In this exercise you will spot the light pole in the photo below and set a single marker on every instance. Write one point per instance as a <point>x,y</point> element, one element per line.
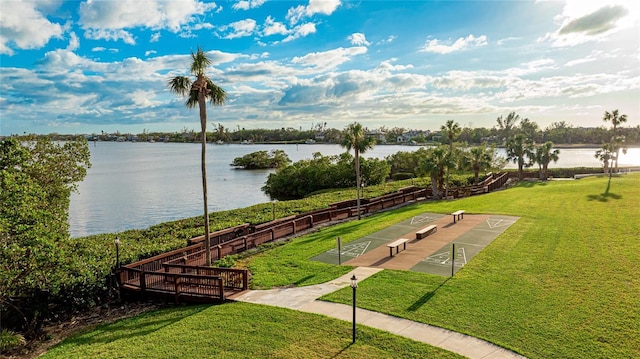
<point>354,286</point>
<point>273,209</point>
<point>117,243</point>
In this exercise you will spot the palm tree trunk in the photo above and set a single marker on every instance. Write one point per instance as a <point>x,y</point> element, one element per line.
<point>357,181</point>
<point>203,125</point>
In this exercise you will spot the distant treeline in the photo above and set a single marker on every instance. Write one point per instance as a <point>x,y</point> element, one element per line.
<point>557,132</point>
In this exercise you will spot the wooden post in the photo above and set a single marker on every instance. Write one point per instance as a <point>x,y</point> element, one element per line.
<point>177,288</point>
<point>245,279</point>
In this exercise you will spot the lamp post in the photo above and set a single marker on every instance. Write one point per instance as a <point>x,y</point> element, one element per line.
<point>354,286</point>
<point>117,243</point>
<point>273,209</point>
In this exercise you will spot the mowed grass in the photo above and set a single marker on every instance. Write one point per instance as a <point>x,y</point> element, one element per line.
<point>237,330</point>
<point>562,282</point>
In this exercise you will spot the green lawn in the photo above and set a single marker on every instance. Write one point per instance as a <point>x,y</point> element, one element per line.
<point>237,330</point>
<point>562,282</point>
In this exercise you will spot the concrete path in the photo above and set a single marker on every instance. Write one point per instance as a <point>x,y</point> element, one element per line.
<point>304,299</point>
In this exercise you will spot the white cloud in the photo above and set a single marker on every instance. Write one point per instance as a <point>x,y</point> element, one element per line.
<point>110,35</point>
<point>107,19</point>
<point>388,40</point>
<point>436,46</point>
<point>325,7</point>
<point>387,66</point>
<point>272,27</point>
<point>25,27</point>
<point>301,31</point>
<point>358,39</point>
<point>329,59</point>
<point>155,37</point>
<point>240,28</point>
<point>588,20</point>
<point>247,4</point>
<point>98,49</point>
<point>74,43</point>
<point>150,52</point>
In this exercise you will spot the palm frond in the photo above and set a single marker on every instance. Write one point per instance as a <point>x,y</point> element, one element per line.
<point>217,95</point>
<point>192,100</point>
<point>200,62</point>
<point>180,85</point>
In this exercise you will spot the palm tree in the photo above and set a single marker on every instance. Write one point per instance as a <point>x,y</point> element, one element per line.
<point>604,155</point>
<point>544,155</point>
<point>198,93</point>
<point>479,158</point>
<point>518,148</point>
<point>434,164</point>
<point>354,137</point>
<point>505,125</point>
<point>453,130</point>
<point>615,119</point>
<point>529,128</point>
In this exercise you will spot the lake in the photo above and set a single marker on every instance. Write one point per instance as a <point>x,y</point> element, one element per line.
<point>136,185</point>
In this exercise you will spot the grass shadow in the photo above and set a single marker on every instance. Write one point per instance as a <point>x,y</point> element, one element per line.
<point>134,326</point>
<point>531,183</point>
<point>604,197</point>
<point>425,298</point>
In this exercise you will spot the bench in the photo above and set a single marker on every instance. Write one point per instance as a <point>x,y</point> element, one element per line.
<point>426,231</point>
<point>397,244</point>
<point>459,214</point>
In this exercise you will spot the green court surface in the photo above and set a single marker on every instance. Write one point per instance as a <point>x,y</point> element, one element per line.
<point>466,246</point>
<point>469,236</point>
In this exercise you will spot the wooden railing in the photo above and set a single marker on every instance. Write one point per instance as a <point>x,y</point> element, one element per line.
<point>188,262</point>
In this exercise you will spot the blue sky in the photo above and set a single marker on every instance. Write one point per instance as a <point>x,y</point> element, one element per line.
<point>91,66</point>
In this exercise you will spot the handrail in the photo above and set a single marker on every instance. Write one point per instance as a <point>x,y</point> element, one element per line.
<point>239,238</point>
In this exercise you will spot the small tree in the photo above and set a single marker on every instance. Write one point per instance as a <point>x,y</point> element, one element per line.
<point>544,155</point>
<point>506,125</point>
<point>605,155</point>
<point>452,130</point>
<point>434,164</point>
<point>520,151</point>
<point>617,142</point>
<point>479,158</point>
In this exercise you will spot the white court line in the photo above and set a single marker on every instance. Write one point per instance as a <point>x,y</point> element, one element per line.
<point>483,230</point>
<point>419,219</point>
<point>464,255</point>
<point>365,248</point>
<point>471,244</point>
<point>445,261</point>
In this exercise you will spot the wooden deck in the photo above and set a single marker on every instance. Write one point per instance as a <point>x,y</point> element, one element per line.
<point>182,282</point>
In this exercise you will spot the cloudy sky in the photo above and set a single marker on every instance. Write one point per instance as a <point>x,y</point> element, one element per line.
<point>91,66</point>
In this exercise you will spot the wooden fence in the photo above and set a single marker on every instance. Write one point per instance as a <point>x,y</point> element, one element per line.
<point>181,273</point>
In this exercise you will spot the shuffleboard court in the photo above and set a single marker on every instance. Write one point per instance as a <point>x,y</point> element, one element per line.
<point>432,254</point>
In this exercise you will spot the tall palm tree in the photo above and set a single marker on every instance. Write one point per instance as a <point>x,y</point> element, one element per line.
<point>520,151</point>
<point>544,155</point>
<point>616,119</point>
<point>452,129</point>
<point>355,137</point>
<point>505,125</point>
<point>198,93</point>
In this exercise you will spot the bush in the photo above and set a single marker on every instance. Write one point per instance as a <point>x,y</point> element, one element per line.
<point>402,176</point>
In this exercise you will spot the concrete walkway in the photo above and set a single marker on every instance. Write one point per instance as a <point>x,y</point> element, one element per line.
<point>304,299</point>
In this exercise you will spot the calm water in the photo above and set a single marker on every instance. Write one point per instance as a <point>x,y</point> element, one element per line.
<point>136,185</point>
